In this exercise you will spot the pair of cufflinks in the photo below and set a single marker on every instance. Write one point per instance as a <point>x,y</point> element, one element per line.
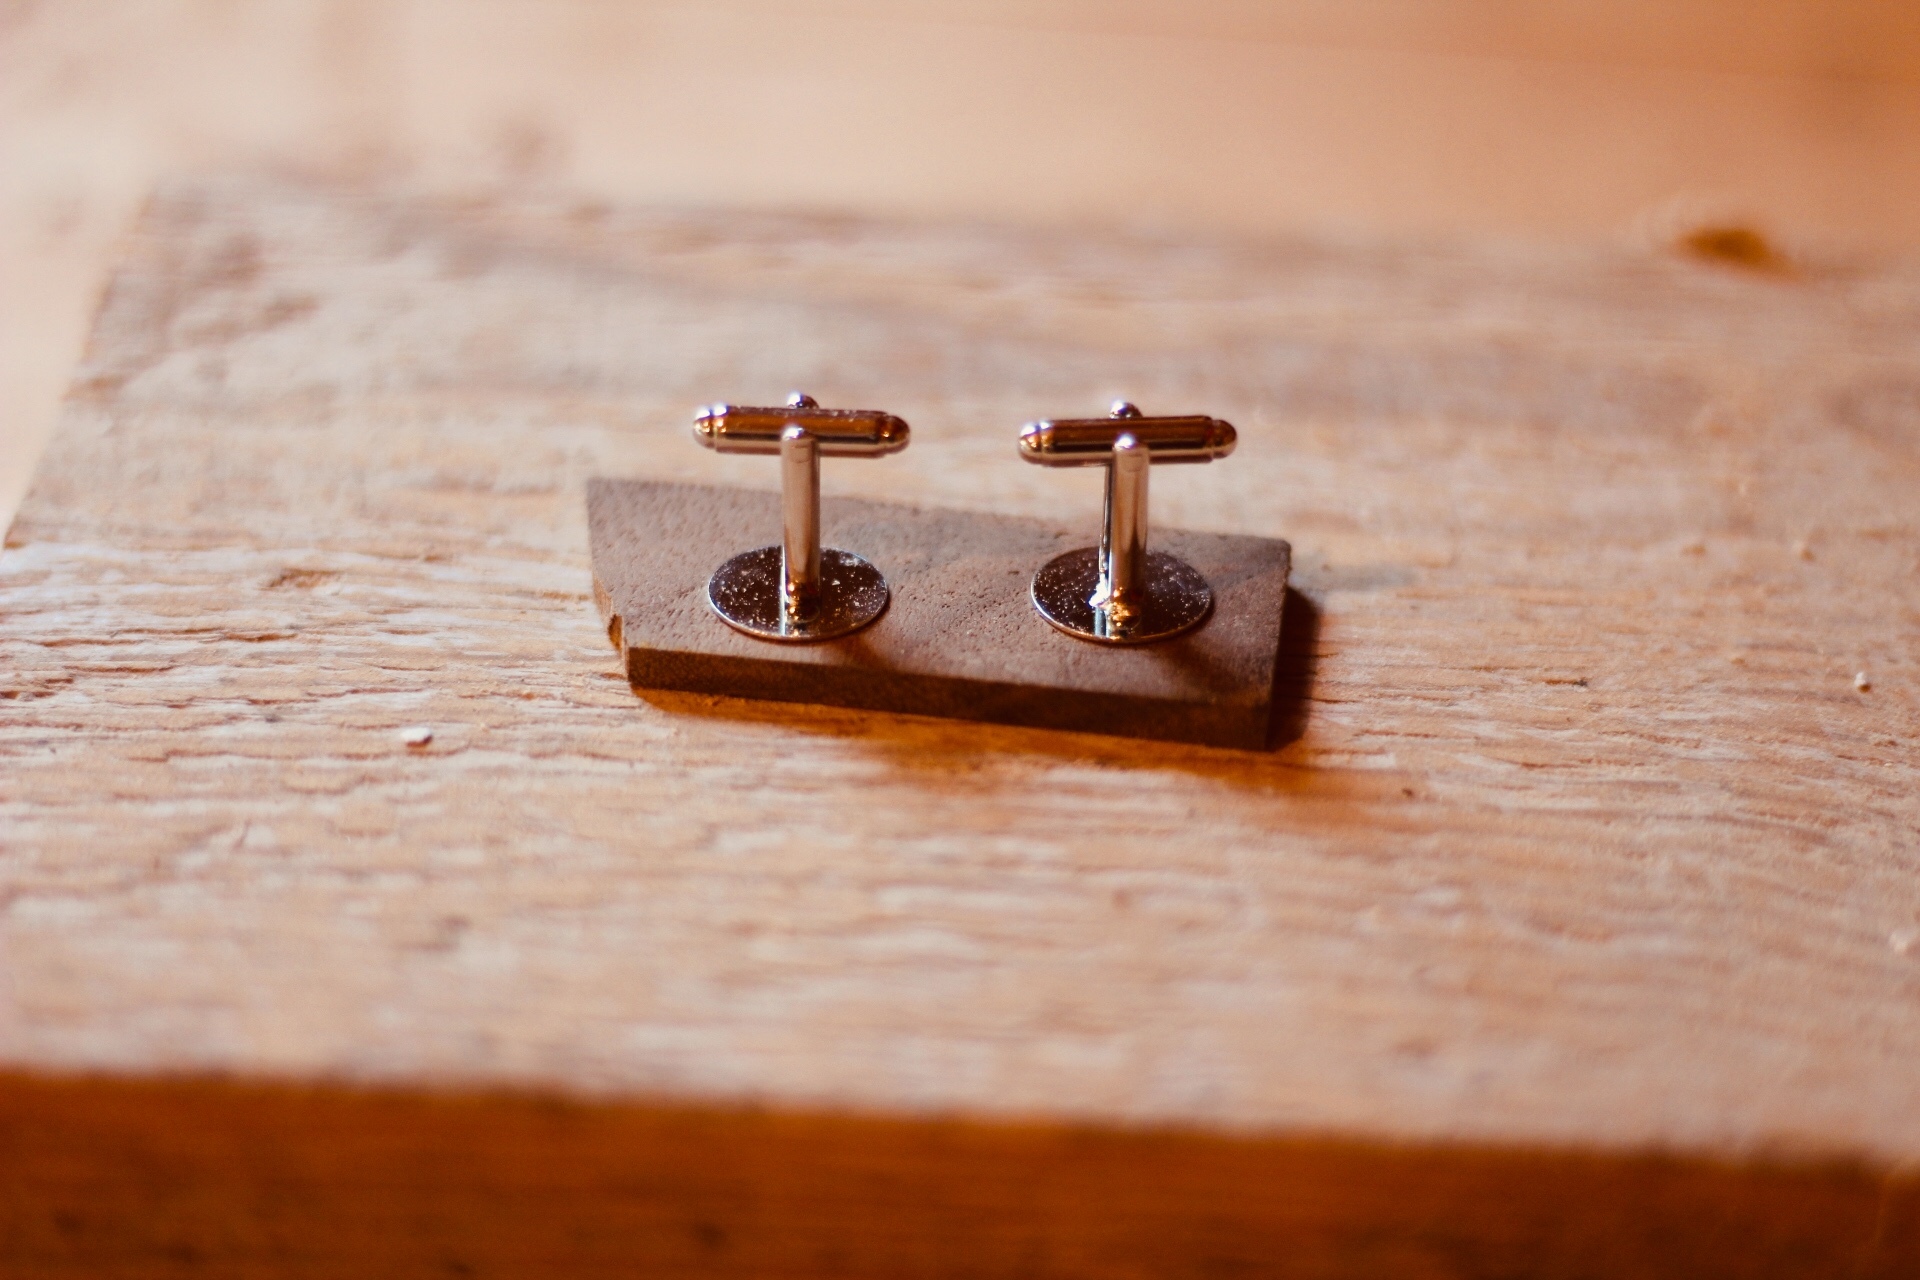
<point>1116,593</point>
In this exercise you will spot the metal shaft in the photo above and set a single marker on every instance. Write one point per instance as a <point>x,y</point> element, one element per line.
<point>1123,539</point>
<point>800,511</point>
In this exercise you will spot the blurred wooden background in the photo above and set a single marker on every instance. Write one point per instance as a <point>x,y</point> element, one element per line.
<point>1585,119</point>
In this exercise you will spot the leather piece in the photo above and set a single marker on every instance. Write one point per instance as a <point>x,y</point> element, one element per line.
<point>960,638</point>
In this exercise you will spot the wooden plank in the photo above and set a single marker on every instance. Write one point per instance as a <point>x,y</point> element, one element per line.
<point>1586,838</point>
<point>960,637</point>
<point>274,1180</point>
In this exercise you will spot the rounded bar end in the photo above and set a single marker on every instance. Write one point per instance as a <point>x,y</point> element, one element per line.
<point>891,434</point>
<point>707,421</point>
<point>1036,443</point>
<point>1222,438</point>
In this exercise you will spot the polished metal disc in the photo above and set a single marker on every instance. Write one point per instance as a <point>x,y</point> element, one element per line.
<point>1177,598</point>
<point>745,592</point>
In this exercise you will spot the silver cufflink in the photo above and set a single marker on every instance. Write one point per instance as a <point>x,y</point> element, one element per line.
<point>797,590</point>
<point>1119,592</point>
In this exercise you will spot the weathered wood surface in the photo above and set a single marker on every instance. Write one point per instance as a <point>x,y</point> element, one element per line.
<point>1583,838</point>
<point>959,638</point>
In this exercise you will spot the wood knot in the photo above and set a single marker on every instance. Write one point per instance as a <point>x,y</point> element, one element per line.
<point>1733,245</point>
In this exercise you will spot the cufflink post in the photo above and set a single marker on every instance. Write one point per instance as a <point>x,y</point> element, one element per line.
<point>1120,592</point>
<point>800,521</point>
<point>798,590</point>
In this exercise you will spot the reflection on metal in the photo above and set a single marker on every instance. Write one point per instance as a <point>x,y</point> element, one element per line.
<point>1121,593</point>
<point>800,524</point>
<point>798,591</point>
<point>842,433</point>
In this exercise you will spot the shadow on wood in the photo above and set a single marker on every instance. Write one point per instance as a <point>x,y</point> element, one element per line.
<point>1293,670</point>
<point>117,1177</point>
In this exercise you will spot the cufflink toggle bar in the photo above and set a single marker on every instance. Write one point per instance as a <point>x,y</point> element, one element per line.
<point>1119,592</point>
<point>798,590</point>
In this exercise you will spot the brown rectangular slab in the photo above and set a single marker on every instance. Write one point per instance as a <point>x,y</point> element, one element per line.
<point>960,637</point>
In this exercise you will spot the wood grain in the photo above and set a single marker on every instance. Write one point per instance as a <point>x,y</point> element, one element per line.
<point>1584,118</point>
<point>1586,839</point>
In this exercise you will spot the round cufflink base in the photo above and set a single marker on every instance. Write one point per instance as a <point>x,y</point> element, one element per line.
<point>745,592</point>
<point>1177,600</point>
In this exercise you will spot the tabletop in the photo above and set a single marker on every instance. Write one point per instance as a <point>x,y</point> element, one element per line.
<point>1587,836</point>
